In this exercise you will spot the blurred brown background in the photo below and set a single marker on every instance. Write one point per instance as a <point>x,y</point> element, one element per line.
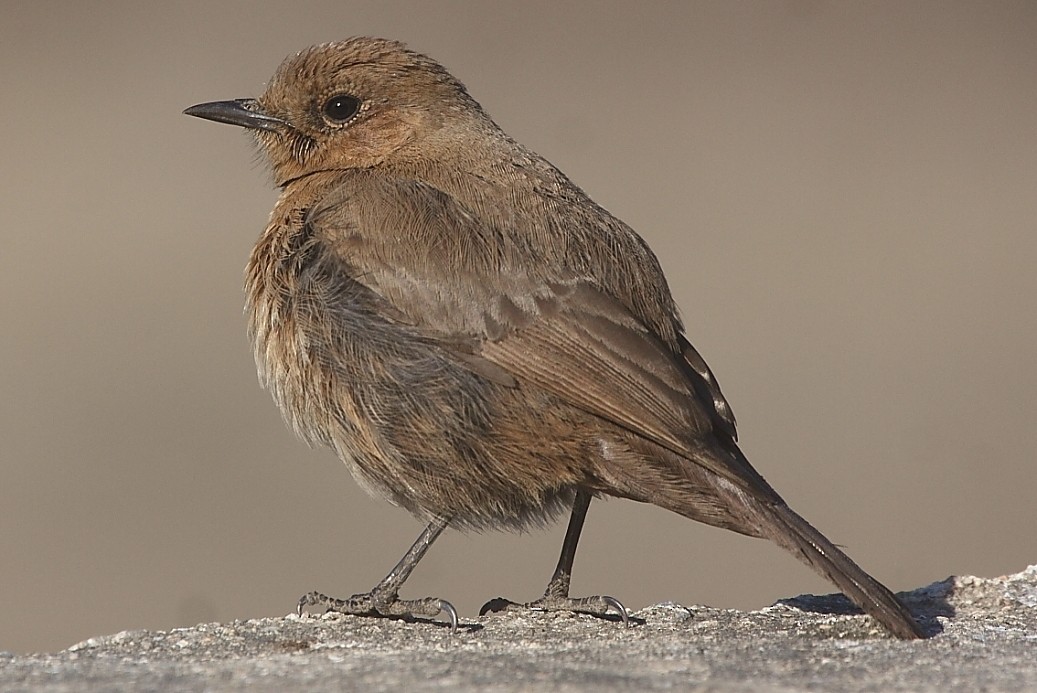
<point>844,196</point>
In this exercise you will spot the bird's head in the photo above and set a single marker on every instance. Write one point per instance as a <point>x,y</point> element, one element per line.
<point>350,105</point>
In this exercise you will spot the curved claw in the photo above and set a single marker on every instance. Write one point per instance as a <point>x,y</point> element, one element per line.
<point>447,607</point>
<point>618,606</point>
<point>306,600</point>
<point>496,605</point>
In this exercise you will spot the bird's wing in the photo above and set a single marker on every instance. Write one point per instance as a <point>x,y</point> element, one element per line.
<point>431,265</point>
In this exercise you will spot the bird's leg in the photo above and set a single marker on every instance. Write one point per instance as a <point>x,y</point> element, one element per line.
<point>384,600</point>
<point>556,596</point>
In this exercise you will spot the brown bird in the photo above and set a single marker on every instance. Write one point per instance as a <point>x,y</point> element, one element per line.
<point>478,340</point>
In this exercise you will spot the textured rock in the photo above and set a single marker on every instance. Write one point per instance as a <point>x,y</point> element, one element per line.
<point>983,637</point>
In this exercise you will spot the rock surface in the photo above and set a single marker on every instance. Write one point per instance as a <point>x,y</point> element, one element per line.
<point>983,637</point>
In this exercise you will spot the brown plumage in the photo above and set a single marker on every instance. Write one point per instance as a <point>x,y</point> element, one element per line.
<point>479,341</point>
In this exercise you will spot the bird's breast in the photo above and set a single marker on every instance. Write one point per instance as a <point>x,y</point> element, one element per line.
<point>280,338</point>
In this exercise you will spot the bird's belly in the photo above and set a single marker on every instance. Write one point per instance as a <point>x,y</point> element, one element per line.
<point>413,424</point>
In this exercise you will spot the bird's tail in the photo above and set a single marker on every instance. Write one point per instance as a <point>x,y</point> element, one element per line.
<point>748,505</point>
<point>797,535</point>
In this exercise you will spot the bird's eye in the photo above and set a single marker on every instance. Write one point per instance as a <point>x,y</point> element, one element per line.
<point>339,109</point>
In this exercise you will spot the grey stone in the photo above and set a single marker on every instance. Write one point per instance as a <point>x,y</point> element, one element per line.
<point>983,636</point>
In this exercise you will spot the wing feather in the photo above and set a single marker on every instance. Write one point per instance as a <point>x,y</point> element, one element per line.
<point>442,272</point>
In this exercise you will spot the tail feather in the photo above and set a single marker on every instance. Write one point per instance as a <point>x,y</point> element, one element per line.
<point>753,508</point>
<point>813,548</point>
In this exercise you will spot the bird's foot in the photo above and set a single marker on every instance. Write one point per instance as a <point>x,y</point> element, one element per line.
<point>596,606</point>
<point>375,603</point>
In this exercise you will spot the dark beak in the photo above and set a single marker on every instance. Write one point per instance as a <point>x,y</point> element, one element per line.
<point>243,112</point>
